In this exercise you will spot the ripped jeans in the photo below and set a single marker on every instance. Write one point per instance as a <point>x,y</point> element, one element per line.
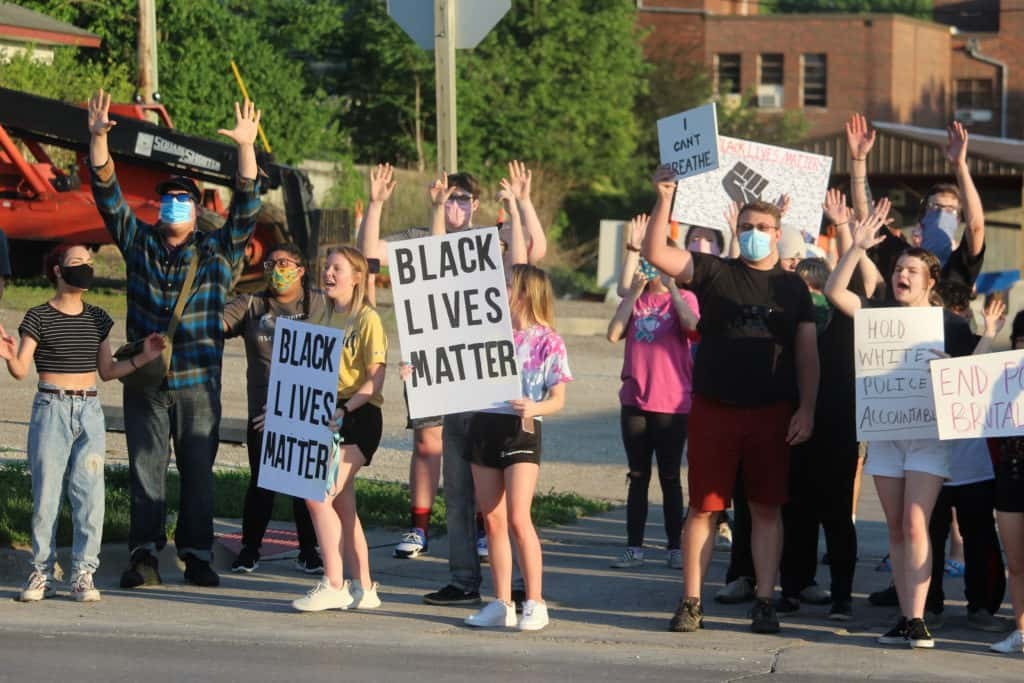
<point>67,445</point>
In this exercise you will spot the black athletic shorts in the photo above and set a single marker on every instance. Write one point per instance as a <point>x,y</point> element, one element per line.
<point>363,427</point>
<point>1010,481</point>
<point>498,440</point>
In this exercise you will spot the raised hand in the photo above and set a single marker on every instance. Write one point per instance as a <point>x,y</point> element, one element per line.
<point>859,138</point>
<point>8,346</point>
<point>665,182</point>
<point>638,283</point>
<point>865,232</point>
<point>836,208</point>
<point>783,202</point>
<point>520,177</point>
<point>956,147</point>
<point>153,346</point>
<point>382,183</point>
<point>995,317</point>
<point>636,230</point>
<point>99,114</point>
<point>440,191</point>
<point>247,124</point>
<point>507,194</point>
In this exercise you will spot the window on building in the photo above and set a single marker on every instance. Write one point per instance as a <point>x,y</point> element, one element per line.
<point>974,93</point>
<point>771,69</point>
<point>727,73</point>
<point>815,80</point>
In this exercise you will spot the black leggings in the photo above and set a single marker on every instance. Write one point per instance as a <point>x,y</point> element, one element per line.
<point>663,435</point>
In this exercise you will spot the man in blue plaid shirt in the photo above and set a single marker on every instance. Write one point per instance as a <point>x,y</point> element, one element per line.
<point>186,407</point>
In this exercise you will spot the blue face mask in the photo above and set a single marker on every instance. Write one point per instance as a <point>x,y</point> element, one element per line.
<point>755,245</point>
<point>173,211</point>
<point>937,231</point>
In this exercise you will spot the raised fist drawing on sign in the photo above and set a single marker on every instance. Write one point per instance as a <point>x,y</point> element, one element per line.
<point>743,184</point>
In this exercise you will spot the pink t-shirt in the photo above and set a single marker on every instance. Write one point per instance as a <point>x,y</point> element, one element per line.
<point>657,370</point>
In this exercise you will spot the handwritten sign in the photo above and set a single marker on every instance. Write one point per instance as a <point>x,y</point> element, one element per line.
<point>980,396</point>
<point>751,170</point>
<point>689,141</point>
<point>295,455</point>
<point>892,349</point>
<point>454,326</point>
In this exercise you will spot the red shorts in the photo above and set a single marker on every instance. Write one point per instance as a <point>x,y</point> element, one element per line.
<point>725,440</point>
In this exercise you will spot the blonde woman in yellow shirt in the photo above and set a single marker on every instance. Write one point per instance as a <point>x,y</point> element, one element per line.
<point>358,426</point>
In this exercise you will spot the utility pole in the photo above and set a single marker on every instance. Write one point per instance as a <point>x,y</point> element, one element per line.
<point>146,43</point>
<point>444,65</point>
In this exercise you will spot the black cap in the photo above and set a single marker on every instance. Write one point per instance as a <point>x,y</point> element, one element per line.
<point>182,183</point>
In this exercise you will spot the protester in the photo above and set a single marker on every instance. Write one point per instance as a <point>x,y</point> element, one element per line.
<point>5,263</point>
<point>908,474</point>
<point>184,408</point>
<point>68,341</point>
<point>253,317</point>
<point>658,322</point>
<point>505,452</point>
<point>358,426</point>
<point>1009,505</point>
<point>756,360</point>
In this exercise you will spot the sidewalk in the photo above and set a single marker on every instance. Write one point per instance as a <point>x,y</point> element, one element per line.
<point>605,623</point>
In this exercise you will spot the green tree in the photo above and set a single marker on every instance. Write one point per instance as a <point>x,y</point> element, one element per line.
<point>68,79</point>
<point>922,9</point>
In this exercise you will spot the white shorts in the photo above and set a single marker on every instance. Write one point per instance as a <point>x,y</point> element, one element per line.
<point>894,458</point>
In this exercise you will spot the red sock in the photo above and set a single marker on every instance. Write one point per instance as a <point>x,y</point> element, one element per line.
<point>421,518</point>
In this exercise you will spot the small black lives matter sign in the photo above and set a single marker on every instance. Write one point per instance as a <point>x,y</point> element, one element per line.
<point>451,306</point>
<point>296,452</point>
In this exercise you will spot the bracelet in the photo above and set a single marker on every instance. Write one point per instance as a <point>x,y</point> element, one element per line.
<point>630,247</point>
<point>131,359</point>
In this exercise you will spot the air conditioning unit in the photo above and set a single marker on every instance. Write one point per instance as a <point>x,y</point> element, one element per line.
<point>769,96</point>
<point>973,115</point>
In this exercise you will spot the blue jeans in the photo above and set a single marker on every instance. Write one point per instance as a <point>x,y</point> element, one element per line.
<point>154,418</point>
<point>66,443</point>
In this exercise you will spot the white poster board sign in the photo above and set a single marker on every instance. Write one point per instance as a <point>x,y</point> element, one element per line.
<point>454,326</point>
<point>751,170</point>
<point>689,141</point>
<point>980,396</point>
<point>892,349</point>
<point>295,455</point>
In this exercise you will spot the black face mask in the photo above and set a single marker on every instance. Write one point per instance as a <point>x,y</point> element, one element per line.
<point>79,276</point>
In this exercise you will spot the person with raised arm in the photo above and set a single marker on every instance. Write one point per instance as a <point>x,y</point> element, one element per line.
<point>755,384</point>
<point>167,264</point>
<point>908,474</point>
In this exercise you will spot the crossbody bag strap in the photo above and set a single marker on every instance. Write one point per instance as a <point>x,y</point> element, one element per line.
<point>183,295</point>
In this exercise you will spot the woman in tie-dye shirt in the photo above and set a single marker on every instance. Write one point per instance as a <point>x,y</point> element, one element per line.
<point>505,448</point>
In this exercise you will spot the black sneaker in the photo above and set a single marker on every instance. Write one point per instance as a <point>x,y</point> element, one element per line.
<point>841,610</point>
<point>763,618</point>
<point>689,616</point>
<point>918,634</point>
<point>897,635</point>
<point>518,597</point>
<point>247,561</point>
<point>885,598</point>
<point>451,596</point>
<point>200,573</point>
<point>144,570</point>
<point>309,562</point>
<point>786,605</point>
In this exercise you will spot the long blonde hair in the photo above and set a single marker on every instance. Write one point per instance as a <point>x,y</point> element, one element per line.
<point>531,291</point>
<point>361,269</point>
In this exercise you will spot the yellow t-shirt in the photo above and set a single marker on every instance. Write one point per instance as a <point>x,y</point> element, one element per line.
<point>365,344</point>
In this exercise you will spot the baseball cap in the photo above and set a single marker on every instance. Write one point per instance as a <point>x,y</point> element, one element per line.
<point>180,183</point>
<point>791,244</point>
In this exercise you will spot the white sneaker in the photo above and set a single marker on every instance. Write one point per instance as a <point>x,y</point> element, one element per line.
<point>481,547</point>
<point>675,558</point>
<point>630,559</point>
<point>494,615</point>
<point>723,538</point>
<point>413,544</point>
<point>535,616</point>
<point>83,589</point>
<point>37,587</point>
<point>1011,644</point>
<point>364,599</point>
<point>324,596</point>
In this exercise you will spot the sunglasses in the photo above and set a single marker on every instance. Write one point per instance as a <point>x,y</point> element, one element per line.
<point>182,198</point>
<point>461,198</point>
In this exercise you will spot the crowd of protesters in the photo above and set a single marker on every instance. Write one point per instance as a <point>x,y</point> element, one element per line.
<point>739,352</point>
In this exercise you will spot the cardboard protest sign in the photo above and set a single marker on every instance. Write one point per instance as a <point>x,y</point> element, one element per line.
<point>689,141</point>
<point>892,349</point>
<point>980,395</point>
<point>454,326</point>
<point>748,171</point>
<point>295,455</point>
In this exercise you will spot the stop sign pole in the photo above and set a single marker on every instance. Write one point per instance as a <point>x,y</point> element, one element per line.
<point>444,26</point>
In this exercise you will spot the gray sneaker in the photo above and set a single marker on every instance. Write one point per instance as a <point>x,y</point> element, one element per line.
<point>815,595</point>
<point>674,559</point>
<point>982,620</point>
<point>630,559</point>
<point>734,592</point>
<point>37,587</point>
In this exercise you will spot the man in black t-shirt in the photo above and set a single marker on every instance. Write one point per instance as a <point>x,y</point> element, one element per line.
<point>755,383</point>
